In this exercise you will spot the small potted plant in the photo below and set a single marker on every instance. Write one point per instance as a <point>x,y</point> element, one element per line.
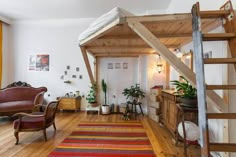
<point>134,92</point>
<point>91,97</point>
<point>105,107</point>
<point>187,93</point>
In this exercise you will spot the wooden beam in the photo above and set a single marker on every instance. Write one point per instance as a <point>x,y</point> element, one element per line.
<point>220,61</point>
<point>177,35</point>
<point>221,87</point>
<point>123,53</point>
<point>221,115</point>
<point>214,13</point>
<point>126,46</point>
<point>217,36</point>
<point>155,43</point>
<point>116,55</point>
<point>86,61</point>
<point>164,17</point>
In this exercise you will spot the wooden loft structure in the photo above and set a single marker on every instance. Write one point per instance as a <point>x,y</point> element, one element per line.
<point>132,36</point>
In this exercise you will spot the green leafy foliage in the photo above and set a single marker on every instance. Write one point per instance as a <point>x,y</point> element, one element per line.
<point>184,88</point>
<point>91,97</point>
<point>104,89</point>
<point>134,92</point>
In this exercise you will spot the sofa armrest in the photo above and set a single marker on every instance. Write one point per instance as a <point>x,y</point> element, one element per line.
<point>39,98</point>
<point>21,114</point>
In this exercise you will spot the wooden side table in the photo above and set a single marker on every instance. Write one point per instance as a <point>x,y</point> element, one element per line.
<point>181,115</point>
<point>69,103</point>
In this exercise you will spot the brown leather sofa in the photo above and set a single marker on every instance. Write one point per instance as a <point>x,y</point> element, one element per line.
<point>15,99</point>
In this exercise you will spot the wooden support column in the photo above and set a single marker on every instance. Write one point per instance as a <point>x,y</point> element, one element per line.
<point>184,70</point>
<point>86,61</point>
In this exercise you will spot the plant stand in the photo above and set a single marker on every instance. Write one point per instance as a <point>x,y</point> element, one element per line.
<point>90,108</point>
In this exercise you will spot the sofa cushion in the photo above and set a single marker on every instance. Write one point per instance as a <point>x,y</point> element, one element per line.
<point>16,106</point>
<point>29,122</point>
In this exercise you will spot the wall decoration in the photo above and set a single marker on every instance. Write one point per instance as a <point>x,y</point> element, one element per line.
<point>125,65</point>
<point>65,72</point>
<point>80,76</point>
<point>73,76</point>
<point>68,67</point>
<point>117,65</point>
<point>110,66</point>
<point>77,68</point>
<point>38,62</point>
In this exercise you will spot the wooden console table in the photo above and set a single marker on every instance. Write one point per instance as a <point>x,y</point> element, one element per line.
<point>69,103</point>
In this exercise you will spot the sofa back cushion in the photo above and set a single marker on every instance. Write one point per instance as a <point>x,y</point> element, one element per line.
<point>19,93</point>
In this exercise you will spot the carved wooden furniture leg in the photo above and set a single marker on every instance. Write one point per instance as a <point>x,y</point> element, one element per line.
<point>54,125</point>
<point>16,133</point>
<point>45,135</point>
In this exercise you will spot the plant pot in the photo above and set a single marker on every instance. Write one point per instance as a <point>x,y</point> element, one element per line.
<point>188,102</point>
<point>94,104</point>
<point>105,109</point>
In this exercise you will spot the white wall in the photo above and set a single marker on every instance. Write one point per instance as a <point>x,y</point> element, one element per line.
<point>57,38</point>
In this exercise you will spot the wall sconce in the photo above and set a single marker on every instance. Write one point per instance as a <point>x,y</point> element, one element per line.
<point>178,53</point>
<point>159,64</point>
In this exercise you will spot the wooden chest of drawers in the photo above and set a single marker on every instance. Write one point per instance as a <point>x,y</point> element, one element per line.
<point>69,103</point>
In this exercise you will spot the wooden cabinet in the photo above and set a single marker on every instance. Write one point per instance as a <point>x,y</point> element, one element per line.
<point>169,110</point>
<point>69,103</point>
<point>171,113</point>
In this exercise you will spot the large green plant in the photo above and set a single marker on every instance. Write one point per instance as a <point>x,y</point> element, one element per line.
<point>184,88</point>
<point>91,97</point>
<point>134,92</point>
<point>104,89</point>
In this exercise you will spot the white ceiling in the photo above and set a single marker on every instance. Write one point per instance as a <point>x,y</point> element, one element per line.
<point>47,9</point>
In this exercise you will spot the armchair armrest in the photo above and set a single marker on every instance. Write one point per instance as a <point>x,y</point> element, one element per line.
<point>39,98</point>
<point>21,114</point>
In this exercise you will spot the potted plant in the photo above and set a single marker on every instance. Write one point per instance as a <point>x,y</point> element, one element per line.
<point>105,107</point>
<point>91,97</point>
<point>187,93</point>
<point>134,92</point>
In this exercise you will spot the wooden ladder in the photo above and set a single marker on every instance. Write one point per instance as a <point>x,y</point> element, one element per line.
<point>227,14</point>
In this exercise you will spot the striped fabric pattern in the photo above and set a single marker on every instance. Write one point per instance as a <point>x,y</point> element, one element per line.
<point>106,140</point>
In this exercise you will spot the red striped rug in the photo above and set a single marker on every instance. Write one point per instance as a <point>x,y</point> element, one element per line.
<point>106,140</point>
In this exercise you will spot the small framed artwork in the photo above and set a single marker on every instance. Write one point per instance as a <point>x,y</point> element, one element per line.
<point>74,76</point>
<point>110,66</point>
<point>207,54</point>
<point>77,68</point>
<point>125,65</point>
<point>62,77</point>
<point>117,65</point>
<point>65,72</point>
<point>68,67</point>
<point>80,76</point>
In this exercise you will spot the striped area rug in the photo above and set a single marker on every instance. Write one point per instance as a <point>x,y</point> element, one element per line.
<point>106,140</point>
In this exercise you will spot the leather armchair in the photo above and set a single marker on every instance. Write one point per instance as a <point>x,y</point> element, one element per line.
<point>36,121</point>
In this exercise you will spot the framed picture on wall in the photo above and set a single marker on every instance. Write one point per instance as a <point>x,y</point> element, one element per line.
<point>117,65</point>
<point>125,65</point>
<point>110,66</point>
<point>38,62</point>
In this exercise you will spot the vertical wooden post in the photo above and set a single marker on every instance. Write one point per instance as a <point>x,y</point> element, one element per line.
<point>200,77</point>
<point>85,56</point>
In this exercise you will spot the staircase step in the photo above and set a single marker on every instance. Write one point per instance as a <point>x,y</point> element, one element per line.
<point>222,147</point>
<point>220,61</point>
<point>217,36</point>
<point>220,87</point>
<point>221,115</point>
<point>214,13</point>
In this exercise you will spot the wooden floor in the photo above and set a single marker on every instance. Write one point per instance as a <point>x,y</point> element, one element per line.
<point>32,143</point>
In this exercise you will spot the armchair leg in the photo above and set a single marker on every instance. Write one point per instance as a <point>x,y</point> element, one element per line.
<point>16,133</point>
<point>45,135</point>
<point>54,125</point>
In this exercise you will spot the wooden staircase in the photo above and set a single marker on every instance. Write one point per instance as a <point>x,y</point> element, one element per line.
<point>227,14</point>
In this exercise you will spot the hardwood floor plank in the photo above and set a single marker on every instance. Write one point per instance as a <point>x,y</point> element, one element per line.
<point>32,143</point>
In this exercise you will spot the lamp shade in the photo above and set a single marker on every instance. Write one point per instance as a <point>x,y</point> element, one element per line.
<point>191,129</point>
